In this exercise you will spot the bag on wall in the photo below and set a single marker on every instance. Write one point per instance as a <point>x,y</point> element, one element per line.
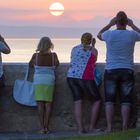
<point>23,92</point>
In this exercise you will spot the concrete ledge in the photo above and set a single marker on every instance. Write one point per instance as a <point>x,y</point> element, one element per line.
<point>16,117</point>
<point>15,71</point>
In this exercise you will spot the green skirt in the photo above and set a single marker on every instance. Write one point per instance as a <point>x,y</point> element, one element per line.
<point>44,92</point>
<point>44,81</point>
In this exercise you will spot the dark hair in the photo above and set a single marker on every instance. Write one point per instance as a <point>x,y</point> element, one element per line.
<point>86,38</point>
<point>121,18</point>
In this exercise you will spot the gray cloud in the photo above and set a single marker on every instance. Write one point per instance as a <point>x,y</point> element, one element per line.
<point>19,11</point>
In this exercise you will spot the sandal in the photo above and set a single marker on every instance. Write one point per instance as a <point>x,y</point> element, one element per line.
<point>42,131</point>
<point>47,131</point>
<point>96,130</point>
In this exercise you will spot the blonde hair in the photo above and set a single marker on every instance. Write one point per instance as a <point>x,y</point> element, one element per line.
<point>86,39</point>
<point>45,45</point>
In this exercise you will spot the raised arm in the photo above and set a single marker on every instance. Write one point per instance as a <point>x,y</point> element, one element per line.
<point>95,52</point>
<point>93,49</point>
<point>5,48</point>
<point>107,27</point>
<point>133,26</point>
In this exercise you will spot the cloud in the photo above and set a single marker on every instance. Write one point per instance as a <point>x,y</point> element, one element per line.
<point>96,18</point>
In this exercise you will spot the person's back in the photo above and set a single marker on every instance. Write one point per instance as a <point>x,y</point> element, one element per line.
<point>46,59</point>
<point>119,72</point>
<point>120,48</point>
<point>80,78</point>
<point>80,60</point>
<point>44,62</point>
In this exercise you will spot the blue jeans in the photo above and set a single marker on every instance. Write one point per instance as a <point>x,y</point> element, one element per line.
<point>119,81</point>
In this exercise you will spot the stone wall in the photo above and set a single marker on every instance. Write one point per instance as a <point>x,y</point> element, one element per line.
<point>16,117</point>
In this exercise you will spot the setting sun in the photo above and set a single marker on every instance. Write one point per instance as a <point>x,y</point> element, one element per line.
<point>56,9</point>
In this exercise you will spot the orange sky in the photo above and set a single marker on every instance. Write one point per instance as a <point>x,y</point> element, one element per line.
<point>84,12</point>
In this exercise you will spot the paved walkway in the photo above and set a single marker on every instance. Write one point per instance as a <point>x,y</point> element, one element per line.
<point>35,136</point>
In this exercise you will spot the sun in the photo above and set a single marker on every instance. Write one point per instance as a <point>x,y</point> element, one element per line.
<point>56,9</point>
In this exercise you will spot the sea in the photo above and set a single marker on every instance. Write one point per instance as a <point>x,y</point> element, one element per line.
<point>22,49</point>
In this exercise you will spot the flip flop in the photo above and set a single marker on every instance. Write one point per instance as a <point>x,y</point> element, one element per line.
<point>96,130</point>
<point>41,131</point>
<point>47,131</point>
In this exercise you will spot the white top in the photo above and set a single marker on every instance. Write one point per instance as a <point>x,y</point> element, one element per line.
<point>82,64</point>
<point>120,48</point>
<point>44,75</point>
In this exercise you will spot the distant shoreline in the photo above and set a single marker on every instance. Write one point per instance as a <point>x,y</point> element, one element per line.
<point>38,32</point>
<point>59,38</point>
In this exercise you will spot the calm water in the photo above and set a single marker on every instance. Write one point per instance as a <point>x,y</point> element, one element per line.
<point>22,49</point>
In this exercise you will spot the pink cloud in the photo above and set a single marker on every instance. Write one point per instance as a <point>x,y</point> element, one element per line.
<point>76,11</point>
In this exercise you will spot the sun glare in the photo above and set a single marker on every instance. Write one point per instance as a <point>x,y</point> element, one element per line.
<point>56,9</point>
